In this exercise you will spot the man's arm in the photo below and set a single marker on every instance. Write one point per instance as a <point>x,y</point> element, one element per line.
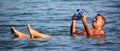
<point>86,26</point>
<point>72,28</point>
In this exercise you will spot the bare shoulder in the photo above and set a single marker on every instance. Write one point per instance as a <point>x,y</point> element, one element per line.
<point>99,34</point>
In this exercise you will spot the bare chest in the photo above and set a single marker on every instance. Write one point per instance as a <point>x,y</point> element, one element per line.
<point>98,32</point>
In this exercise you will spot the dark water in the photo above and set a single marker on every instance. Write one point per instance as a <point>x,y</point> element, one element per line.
<point>53,17</point>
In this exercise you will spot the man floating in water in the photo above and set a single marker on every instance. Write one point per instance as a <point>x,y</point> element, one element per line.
<point>95,32</point>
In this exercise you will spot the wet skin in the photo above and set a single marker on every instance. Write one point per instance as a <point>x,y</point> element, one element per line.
<point>97,29</point>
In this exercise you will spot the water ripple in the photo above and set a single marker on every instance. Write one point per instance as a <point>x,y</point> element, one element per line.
<point>53,17</point>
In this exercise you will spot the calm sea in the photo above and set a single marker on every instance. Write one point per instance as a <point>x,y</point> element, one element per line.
<point>53,17</point>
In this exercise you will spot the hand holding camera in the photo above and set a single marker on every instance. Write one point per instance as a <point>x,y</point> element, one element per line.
<point>78,14</point>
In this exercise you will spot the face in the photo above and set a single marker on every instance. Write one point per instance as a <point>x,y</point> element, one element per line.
<point>97,22</point>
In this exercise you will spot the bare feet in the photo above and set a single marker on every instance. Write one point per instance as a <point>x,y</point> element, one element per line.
<point>36,34</point>
<point>18,34</point>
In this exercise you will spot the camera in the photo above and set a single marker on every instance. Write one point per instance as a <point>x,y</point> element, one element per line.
<point>78,14</point>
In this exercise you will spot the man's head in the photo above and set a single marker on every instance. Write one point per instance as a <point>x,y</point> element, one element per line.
<point>99,21</point>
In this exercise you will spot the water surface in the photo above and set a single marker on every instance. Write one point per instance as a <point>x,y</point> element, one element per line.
<point>53,17</point>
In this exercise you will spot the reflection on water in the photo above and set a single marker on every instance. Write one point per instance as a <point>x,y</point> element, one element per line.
<point>53,17</point>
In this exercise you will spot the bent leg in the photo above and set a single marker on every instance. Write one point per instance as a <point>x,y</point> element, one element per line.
<point>17,33</point>
<point>36,34</point>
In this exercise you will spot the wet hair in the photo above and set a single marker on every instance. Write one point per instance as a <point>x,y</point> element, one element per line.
<point>104,20</point>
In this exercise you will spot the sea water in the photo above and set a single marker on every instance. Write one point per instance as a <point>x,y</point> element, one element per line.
<point>53,17</point>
